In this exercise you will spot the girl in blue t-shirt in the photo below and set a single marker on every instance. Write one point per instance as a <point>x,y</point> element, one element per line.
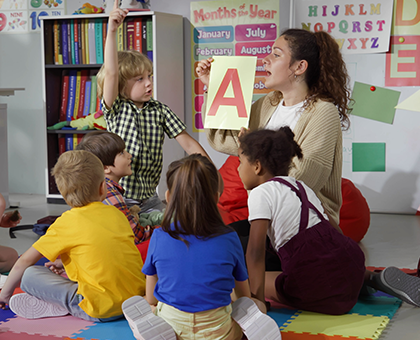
<point>194,262</point>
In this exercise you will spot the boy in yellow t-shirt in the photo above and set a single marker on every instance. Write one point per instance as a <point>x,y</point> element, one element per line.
<point>96,245</point>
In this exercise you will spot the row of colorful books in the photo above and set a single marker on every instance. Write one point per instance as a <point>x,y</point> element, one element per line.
<point>78,94</point>
<point>68,142</point>
<point>82,41</point>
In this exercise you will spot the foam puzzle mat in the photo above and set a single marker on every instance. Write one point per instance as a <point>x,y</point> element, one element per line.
<point>366,320</point>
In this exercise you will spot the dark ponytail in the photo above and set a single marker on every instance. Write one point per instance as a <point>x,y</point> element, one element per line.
<point>275,150</point>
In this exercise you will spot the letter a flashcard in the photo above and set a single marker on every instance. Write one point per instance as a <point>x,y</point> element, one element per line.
<point>230,91</point>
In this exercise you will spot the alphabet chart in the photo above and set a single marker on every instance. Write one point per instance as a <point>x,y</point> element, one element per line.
<point>246,28</point>
<point>22,16</point>
<point>358,26</point>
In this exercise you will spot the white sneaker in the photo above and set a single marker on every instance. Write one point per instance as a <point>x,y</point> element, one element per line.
<point>144,324</point>
<point>255,324</point>
<point>30,307</point>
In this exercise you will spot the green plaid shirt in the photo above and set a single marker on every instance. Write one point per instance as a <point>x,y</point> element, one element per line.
<point>143,131</point>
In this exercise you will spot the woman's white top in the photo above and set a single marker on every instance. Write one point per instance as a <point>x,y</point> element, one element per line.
<point>285,116</point>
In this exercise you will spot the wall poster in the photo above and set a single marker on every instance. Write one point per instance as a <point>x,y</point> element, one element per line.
<point>231,28</point>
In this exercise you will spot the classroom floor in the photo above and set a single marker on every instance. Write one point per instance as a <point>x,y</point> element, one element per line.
<point>392,240</point>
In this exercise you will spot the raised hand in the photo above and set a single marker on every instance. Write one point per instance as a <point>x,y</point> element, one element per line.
<point>116,17</point>
<point>203,70</point>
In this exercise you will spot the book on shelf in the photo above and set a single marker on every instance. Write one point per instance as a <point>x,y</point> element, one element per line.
<point>144,36</point>
<point>86,24</point>
<point>56,35</point>
<point>83,42</point>
<point>99,42</point>
<point>130,34</point>
<point>77,94</point>
<point>88,91</point>
<point>75,141</point>
<point>149,38</point>
<point>92,105</point>
<point>69,142</point>
<point>72,42</point>
<point>79,41</point>
<point>98,104</point>
<point>69,39</point>
<point>137,34</point>
<point>61,145</point>
<point>49,45</point>
<point>84,75</point>
<point>104,33</point>
<point>92,44</point>
<point>71,94</point>
<point>64,95</point>
<point>64,42</point>
<point>75,45</point>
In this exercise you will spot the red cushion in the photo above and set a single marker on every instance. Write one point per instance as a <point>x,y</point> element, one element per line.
<point>233,202</point>
<point>143,247</point>
<point>354,213</point>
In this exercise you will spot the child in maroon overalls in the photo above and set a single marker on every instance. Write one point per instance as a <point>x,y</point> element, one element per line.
<point>322,270</point>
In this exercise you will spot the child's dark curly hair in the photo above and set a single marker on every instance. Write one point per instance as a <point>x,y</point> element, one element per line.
<point>273,149</point>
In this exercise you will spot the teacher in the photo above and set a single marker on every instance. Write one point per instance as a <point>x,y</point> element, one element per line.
<point>310,82</point>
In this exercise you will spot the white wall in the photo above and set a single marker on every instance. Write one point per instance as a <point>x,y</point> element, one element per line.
<point>20,66</point>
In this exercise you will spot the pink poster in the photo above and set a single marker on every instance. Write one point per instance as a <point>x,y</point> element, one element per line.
<point>231,28</point>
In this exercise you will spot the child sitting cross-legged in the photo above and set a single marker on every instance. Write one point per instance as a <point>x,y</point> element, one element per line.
<point>323,271</point>
<point>86,238</point>
<point>110,149</point>
<point>193,263</point>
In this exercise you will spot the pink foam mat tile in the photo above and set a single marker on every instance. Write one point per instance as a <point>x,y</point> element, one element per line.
<point>63,326</point>
<point>25,336</point>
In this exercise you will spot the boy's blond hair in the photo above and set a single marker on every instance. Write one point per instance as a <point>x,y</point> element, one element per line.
<point>78,175</point>
<point>130,64</point>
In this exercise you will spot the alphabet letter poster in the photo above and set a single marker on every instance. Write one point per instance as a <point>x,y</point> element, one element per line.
<point>359,27</point>
<point>230,92</point>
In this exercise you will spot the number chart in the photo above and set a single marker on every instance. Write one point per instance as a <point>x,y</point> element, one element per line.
<point>22,16</point>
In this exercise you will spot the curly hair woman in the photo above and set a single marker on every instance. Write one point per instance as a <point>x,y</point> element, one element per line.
<point>309,78</point>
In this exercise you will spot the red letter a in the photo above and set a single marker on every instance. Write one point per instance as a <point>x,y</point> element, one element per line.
<point>238,99</point>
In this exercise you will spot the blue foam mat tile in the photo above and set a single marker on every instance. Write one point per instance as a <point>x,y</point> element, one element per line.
<point>376,306</point>
<point>6,314</point>
<point>282,315</point>
<point>118,329</point>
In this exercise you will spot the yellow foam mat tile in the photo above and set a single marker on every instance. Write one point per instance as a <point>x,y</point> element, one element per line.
<point>347,325</point>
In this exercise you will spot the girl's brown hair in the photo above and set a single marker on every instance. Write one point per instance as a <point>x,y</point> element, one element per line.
<point>326,75</point>
<point>130,65</point>
<point>275,150</point>
<point>192,208</point>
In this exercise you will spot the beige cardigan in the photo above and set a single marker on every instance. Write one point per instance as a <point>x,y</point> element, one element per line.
<point>318,132</point>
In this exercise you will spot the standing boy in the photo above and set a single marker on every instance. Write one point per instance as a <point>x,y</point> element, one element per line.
<point>86,238</point>
<point>125,85</point>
